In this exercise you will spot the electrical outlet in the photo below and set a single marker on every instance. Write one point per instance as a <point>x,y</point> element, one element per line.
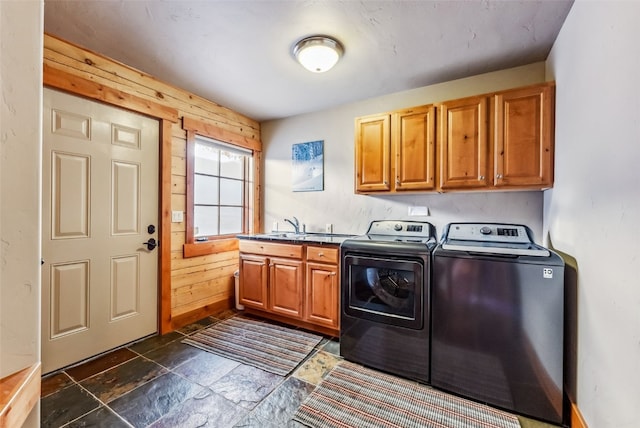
<point>274,226</point>
<point>418,211</point>
<point>328,228</point>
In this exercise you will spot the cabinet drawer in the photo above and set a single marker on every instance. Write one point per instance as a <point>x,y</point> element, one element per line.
<point>323,254</point>
<point>270,248</point>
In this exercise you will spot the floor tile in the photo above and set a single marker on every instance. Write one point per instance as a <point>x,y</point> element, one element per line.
<point>100,364</point>
<point>54,383</point>
<point>280,406</point>
<point>246,385</point>
<point>332,346</point>
<point>253,421</point>
<point>113,383</point>
<point>317,367</point>
<point>206,368</point>
<point>153,400</point>
<point>204,410</point>
<point>532,423</point>
<point>173,354</point>
<point>102,417</point>
<point>154,342</point>
<point>66,405</point>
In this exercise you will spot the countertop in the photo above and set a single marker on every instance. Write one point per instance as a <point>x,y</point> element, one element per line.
<point>300,238</point>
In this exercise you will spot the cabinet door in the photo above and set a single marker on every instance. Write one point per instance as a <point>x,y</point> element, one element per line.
<point>253,281</point>
<point>413,139</point>
<point>285,287</point>
<point>372,152</point>
<point>464,143</point>
<point>323,305</point>
<point>523,137</point>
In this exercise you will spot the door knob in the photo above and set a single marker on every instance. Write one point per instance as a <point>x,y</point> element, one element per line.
<point>151,244</point>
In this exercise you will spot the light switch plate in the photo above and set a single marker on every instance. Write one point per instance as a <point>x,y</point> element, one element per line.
<point>177,216</point>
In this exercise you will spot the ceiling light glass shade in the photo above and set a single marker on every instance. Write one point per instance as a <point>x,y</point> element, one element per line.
<point>318,53</point>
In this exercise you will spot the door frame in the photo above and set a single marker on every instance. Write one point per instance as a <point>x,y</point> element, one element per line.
<point>57,79</point>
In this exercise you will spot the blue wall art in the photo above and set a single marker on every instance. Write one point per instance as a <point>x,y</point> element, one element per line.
<point>308,166</point>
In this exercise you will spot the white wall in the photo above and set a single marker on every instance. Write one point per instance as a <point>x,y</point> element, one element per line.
<point>593,212</point>
<point>21,29</point>
<point>351,213</point>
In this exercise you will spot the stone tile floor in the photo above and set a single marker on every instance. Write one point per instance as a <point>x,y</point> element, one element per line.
<point>161,382</point>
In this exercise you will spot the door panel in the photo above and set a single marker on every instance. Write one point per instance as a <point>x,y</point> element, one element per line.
<point>69,298</point>
<point>100,192</point>
<point>70,196</point>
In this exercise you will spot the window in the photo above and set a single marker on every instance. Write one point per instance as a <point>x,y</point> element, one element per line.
<point>221,189</point>
<point>220,192</point>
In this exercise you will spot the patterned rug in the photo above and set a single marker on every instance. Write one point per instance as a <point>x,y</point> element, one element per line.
<point>354,396</point>
<point>268,347</point>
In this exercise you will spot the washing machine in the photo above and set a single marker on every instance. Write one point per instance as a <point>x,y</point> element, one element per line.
<point>497,319</point>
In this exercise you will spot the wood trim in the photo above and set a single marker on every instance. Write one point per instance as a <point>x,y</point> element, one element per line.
<point>217,133</point>
<point>164,233</point>
<point>210,247</point>
<point>190,167</point>
<point>19,393</point>
<point>58,79</point>
<point>257,194</point>
<point>166,115</point>
<point>577,421</point>
<point>200,313</point>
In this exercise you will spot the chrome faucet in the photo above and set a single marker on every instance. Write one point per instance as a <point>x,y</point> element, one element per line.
<point>295,223</point>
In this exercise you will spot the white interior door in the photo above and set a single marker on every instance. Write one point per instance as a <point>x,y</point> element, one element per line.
<point>100,197</point>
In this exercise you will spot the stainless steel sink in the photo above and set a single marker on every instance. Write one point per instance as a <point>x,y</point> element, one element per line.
<point>281,235</point>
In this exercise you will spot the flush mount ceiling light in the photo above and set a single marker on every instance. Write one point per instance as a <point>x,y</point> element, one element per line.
<point>318,53</point>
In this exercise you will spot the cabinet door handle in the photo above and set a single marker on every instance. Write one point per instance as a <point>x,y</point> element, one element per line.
<point>499,176</point>
<point>320,254</point>
<point>481,177</point>
<point>332,274</point>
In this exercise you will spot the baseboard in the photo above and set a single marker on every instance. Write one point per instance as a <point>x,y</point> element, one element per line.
<point>577,421</point>
<point>182,320</point>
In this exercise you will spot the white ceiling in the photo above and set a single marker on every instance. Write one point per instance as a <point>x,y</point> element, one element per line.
<point>238,53</point>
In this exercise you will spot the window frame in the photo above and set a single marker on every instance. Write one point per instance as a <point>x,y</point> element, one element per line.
<point>251,204</point>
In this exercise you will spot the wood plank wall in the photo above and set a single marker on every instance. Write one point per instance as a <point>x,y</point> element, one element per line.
<point>199,285</point>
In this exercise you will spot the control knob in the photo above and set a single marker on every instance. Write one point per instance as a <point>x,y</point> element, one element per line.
<point>485,230</point>
<point>397,227</point>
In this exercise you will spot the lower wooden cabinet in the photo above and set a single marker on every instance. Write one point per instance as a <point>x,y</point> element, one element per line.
<point>286,287</point>
<point>253,281</point>
<point>323,286</point>
<point>294,283</point>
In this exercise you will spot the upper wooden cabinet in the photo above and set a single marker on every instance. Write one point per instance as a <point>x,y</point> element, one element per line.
<point>372,153</point>
<point>395,151</point>
<point>413,142</point>
<point>501,140</point>
<point>463,143</point>
<point>523,137</point>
